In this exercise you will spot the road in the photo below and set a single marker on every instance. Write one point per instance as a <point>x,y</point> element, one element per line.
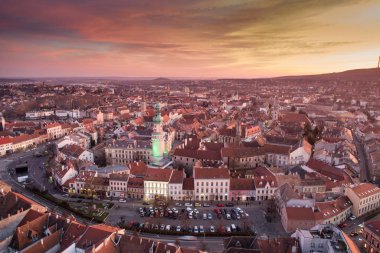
<point>6,165</point>
<point>212,244</point>
<point>364,170</point>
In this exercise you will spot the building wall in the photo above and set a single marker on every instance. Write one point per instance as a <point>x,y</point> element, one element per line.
<point>212,189</point>
<point>156,188</point>
<point>362,206</point>
<point>118,188</point>
<point>371,242</point>
<point>175,191</point>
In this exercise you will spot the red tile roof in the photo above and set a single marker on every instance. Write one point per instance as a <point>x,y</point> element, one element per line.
<point>138,168</point>
<point>5,140</point>
<point>373,226</point>
<point>242,184</point>
<point>162,175</point>
<point>188,184</point>
<point>177,177</point>
<point>95,235</point>
<point>211,173</point>
<point>365,189</point>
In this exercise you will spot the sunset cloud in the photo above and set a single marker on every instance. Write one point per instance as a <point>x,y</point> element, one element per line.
<point>186,38</point>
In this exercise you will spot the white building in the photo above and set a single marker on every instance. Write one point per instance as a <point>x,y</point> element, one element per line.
<point>324,238</point>
<point>175,185</point>
<point>119,185</point>
<point>365,197</point>
<point>156,183</point>
<point>6,145</point>
<point>76,152</point>
<point>211,184</point>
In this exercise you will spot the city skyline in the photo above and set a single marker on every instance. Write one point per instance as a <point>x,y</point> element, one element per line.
<point>202,39</point>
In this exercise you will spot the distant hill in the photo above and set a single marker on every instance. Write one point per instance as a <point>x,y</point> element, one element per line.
<point>372,74</point>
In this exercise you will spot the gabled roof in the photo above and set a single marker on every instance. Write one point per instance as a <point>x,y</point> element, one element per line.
<point>243,184</point>
<point>211,173</point>
<point>95,235</point>
<point>161,175</point>
<point>364,190</point>
<point>177,177</point>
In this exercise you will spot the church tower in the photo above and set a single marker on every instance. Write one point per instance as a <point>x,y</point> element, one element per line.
<point>158,137</point>
<point>275,109</point>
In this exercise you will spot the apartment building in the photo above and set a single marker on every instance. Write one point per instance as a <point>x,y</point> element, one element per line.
<point>127,151</point>
<point>211,184</point>
<point>371,236</point>
<point>365,197</point>
<point>156,183</point>
<point>118,185</point>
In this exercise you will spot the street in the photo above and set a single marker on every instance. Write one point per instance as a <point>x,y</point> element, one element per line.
<point>364,170</point>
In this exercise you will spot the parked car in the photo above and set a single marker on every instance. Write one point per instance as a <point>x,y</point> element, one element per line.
<point>178,229</point>
<point>209,216</point>
<point>233,227</point>
<point>353,217</point>
<point>229,204</point>
<point>342,225</point>
<point>188,204</point>
<point>205,216</point>
<point>228,216</point>
<point>167,227</point>
<point>196,229</point>
<point>178,204</point>
<point>201,229</point>
<point>206,205</point>
<point>162,227</point>
<point>122,201</point>
<point>353,234</point>
<point>228,229</point>
<point>239,210</point>
<point>220,205</point>
<point>212,229</point>
<point>197,204</point>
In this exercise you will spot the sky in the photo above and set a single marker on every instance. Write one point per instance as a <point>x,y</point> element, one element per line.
<point>200,39</point>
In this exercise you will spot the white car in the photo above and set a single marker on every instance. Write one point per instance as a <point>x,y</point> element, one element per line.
<point>122,200</point>
<point>201,229</point>
<point>353,217</point>
<point>228,229</point>
<point>188,209</point>
<point>205,216</point>
<point>178,204</point>
<point>178,229</point>
<point>196,230</point>
<point>212,229</point>
<point>239,210</point>
<point>188,204</point>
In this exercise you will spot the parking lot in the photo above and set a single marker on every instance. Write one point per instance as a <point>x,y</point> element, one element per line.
<point>199,218</point>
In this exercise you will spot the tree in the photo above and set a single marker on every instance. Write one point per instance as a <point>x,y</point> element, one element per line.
<point>293,108</point>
